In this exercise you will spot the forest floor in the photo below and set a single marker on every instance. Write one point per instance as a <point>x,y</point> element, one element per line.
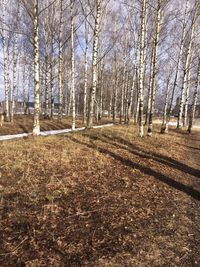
<point>101,197</point>
<point>24,124</point>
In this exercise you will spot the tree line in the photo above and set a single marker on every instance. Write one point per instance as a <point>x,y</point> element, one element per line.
<point>92,58</point>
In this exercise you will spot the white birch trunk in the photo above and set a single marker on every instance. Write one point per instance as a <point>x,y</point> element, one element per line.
<point>134,82</point>
<point>141,70</point>
<point>14,77</point>
<point>185,77</point>
<point>115,89</point>
<point>46,114</point>
<point>177,67</point>
<point>85,74</point>
<point>150,87</point>
<point>72,69</point>
<point>122,91</point>
<point>187,97</point>
<point>52,74</point>
<point>94,65</point>
<point>155,59</point>
<point>36,123</point>
<point>60,82</point>
<point>6,75</point>
<point>194,102</point>
<point>163,128</point>
<point>24,90</point>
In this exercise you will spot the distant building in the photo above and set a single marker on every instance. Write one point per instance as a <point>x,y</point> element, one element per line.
<point>20,107</point>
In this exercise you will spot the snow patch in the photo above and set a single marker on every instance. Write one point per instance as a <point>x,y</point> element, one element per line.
<point>48,133</point>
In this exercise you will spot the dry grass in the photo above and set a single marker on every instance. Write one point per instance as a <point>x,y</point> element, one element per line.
<point>100,198</point>
<point>24,124</point>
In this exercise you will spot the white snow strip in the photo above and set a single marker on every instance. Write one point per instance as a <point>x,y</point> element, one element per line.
<point>174,123</point>
<point>47,133</point>
<point>54,132</point>
<point>102,126</point>
<point>13,136</point>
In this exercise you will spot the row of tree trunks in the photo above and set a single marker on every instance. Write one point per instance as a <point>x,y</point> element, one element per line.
<point>166,126</point>
<point>186,75</point>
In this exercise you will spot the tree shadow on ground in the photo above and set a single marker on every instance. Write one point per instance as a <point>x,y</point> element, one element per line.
<point>24,128</point>
<point>148,171</point>
<point>119,142</point>
<point>175,132</point>
<point>190,147</point>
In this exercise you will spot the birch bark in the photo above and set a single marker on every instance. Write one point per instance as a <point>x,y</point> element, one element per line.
<point>85,73</point>
<point>60,82</point>
<point>36,123</point>
<point>141,70</point>
<point>185,76</point>
<point>6,78</point>
<point>72,69</point>
<point>165,128</point>
<point>94,65</point>
<point>155,60</point>
<point>194,102</point>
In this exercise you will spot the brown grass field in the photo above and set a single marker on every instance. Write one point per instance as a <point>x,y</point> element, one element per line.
<point>101,197</point>
<point>24,124</point>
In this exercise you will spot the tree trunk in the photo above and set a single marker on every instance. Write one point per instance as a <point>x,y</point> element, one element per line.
<point>6,74</point>
<point>163,128</point>
<point>72,69</point>
<point>122,92</point>
<point>115,89</point>
<point>46,114</point>
<point>52,77</point>
<point>150,87</point>
<point>36,123</point>
<point>14,78</point>
<point>177,68</point>
<point>94,65</point>
<point>85,74</point>
<point>154,73</point>
<point>60,82</point>
<point>185,76</point>
<point>141,70</point>
<point>194,102</point>
<point>24,90</point>
<point>134,83</point>
<point>187,98</point>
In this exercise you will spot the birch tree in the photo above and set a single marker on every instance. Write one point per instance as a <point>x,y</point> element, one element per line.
<point>60,81</point>
<point>86,72</point>
<point>15,65</point>
<point>94,64</point>
<point>177,71</point>
<point>185,74</point>
<point>194,100</point>
<point>72,68</point>
<point>36,123</point>
<point>154,72</point>
<point>141,69</point>
<point>5,55</point>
